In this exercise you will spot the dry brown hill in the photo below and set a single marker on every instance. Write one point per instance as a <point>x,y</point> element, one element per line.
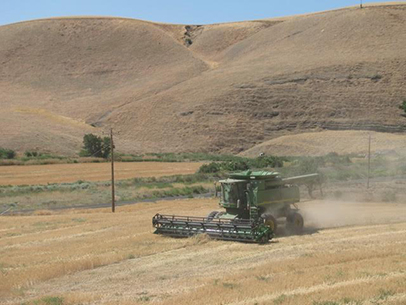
<point>222,87</point>
<point>324,142</point>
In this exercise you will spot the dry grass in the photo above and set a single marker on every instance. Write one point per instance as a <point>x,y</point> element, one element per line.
<point>59,173</point>
<point>51,116</point>
<point>237,85</point>
<point>322,143</point>
<point>57,256</point>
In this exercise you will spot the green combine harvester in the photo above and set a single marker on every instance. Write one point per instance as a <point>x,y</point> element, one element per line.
<point>253,201</point>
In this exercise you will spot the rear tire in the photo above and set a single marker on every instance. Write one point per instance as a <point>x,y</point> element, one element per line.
<point>295,223</point>
<point>270,221</point>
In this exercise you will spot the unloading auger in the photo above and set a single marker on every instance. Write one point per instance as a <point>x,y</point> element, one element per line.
<point>253,202</point>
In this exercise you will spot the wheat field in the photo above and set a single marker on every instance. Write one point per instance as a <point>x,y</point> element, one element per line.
<point>96,257</point>
<point>63,173</point>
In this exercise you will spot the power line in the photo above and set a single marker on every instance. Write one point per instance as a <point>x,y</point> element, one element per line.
<point>94,154</point>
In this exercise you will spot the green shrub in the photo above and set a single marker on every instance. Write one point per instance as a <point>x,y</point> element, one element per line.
<point>403,106</point>
<point>184,191</point>
<point>266,161</point>
<point>212,167</point>
<point>233,166</point>
<point>7,153</point>
<point>32,154</point>
<point>242,164</point>
<point>335,159</point>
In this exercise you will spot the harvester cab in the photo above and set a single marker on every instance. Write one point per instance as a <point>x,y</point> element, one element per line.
<point>253,201</point>
<point>234,197</point>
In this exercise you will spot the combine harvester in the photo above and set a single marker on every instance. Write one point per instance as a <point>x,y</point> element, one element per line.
<point>253,201</point>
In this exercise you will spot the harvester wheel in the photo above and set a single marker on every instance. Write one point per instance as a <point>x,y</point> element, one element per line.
<point>270,221</point>
<point>211,215</point>
<point>294,223</point>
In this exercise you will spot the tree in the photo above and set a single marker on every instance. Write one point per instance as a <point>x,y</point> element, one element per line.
<point>95,146</point>
<point>106,147</point>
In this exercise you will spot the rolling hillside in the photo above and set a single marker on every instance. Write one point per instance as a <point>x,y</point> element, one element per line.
<point>218,88</point>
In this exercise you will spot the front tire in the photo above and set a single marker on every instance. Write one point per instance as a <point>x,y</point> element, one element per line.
<point>270,221</point>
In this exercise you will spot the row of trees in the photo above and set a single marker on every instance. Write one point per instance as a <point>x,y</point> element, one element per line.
<point>93,146</point>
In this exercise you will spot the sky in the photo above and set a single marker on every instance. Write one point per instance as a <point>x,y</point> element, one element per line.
<point>168,11</point>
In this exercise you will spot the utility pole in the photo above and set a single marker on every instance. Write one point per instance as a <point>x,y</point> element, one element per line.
<point>360,4</point>
<point>369,159</point>
<point>113,197</point>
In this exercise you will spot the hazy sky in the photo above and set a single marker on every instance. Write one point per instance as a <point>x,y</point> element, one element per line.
<point>172,11</point>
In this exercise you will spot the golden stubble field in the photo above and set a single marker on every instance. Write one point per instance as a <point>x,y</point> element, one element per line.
<point>352,253</point>
<point>61,173</point>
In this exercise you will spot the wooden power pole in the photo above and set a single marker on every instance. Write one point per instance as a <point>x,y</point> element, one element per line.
<point>369,159</point>
<point>360,4</point>
<point>113,196</point>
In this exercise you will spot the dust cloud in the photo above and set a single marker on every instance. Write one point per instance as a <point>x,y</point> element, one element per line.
<point>329,214</point>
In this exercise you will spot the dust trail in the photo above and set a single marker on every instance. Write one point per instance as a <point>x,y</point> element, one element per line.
<point>328,214</point>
